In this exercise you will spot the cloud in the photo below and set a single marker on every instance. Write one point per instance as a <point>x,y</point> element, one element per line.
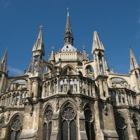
<point>5,3</point>
<point>15,71</point>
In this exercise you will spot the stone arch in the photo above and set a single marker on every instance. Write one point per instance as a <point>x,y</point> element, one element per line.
<point>68,121</point>
<point>89,69</point>
<point>45,107</point>
<point>121,125</point>
<point>69,69</point>
<point>2,121</point>
<point>15,127</point>
<point>136,121</point>
<point>47,122</point>
<point>69,101</point>
<point>118,82</point>
<point>89,122</point>
<point>80,73</point>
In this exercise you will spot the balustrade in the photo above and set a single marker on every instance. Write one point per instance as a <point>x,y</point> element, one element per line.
<point>66,84</point>
<point>13,99</point>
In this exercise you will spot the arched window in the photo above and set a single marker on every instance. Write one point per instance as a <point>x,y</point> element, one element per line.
<point>15,128</point>
<point>47,126</point>
<point>121,127</point>
<point>89,69</point>
<point>68,123</point>
<point>135,120</point>
<point>89,123</point>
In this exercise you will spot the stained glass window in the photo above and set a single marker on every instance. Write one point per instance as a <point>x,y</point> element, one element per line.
<point>47,126</point>
<point>89,123</point>
<point>15,128</point>
<point>135,120</point>
<point>121,127</point>
<point>68,123</point>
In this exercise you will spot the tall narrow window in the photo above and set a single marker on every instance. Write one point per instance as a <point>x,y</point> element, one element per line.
<point>135,120</point>
<point>89,123</point>
<point>47,126</point>
<point>15,128</point>
<point>121,127</point>
<point>68,123</point>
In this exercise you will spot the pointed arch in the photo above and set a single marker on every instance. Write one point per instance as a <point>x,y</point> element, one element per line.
<point>47,122</point>
<point>136,122</point>
<point>15,127</point>
<point>121,126</point>
<point>69,101</point>
<point>89,69</point>
<point>89,124</point>
<point>68,120</point>
<point>69,69</point>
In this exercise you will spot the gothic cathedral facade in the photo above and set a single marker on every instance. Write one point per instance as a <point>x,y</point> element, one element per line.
<point>74,98</point>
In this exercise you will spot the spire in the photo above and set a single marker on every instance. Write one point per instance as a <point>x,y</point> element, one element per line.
<point>97,44</point>
<point>3,63</point>
<point>106,66</point>
<point>52,56</point>
<point>38,47</point>
<point>133,62</point>
<point>68,36</point>
<point>85,57</point>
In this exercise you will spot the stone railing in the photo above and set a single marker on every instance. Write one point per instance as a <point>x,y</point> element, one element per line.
<point>68,85</point>
<point>14,98</point>
<point>123,97</point>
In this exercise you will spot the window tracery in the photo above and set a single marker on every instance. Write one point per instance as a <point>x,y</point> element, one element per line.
<point>89,126</point>
<point>2,120</point>
<point>136,123</point>
<point>15,128</point>
<point>68,122</point>
<point>47,125</point>
<point>121,127</point>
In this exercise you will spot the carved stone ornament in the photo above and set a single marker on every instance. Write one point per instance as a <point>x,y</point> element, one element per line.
<point>16,124</point>
<point>68,112</point>
<point>48,114</point>
<point>2,121</point>
<point>88,115</point>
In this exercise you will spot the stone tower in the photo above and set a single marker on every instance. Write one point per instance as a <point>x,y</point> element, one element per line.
<point>70,96</point>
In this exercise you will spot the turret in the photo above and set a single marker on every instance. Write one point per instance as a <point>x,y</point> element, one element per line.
<point>106,66</point>
<point>52,56</point>
<point>36,67</point>
<point>134,71</point>
<point>38,48</point>
<point>85,56</point>
<point>3,73</point>
<point>68,36</point>
<point>98,53</point>
<point>3,64</point>
<point>36,64</point>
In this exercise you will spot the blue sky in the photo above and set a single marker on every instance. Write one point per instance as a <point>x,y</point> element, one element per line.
<point>116,21</point>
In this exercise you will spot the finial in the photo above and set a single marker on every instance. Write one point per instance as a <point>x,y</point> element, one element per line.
<point>68,12</point>
<point>41,27</point>
<point>53,48</point>
<point>83,47</point>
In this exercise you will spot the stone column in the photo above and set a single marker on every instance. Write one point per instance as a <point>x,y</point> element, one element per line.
<point>81,126</point>
<point>43,90</point>
<point>98,131</point>
<point>55,135</point>
<point>32,124</point>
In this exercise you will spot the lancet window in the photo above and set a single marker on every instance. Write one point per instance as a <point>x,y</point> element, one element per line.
<point>47,125</point>
<point>68,123</point>
<point>121,127</point>
<point>15,128</point>
<point>136,122</point>
<point>89,123</point>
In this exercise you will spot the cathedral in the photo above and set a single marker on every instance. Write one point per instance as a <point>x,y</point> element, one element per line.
<point>70,96</point>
